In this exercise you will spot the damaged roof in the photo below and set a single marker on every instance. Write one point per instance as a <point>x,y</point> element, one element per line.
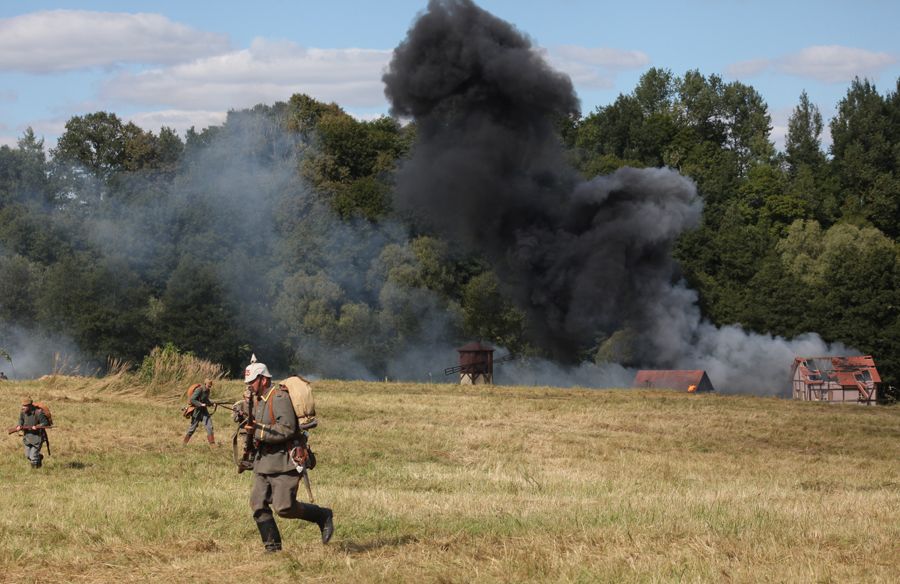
<point>845,371</point>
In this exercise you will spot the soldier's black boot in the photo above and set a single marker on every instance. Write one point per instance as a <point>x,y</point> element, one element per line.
<point>321,516</point>
<point>271,537</point>
<point>327,525</point>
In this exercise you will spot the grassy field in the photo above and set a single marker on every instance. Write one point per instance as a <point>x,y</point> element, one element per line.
<point>440,483</point>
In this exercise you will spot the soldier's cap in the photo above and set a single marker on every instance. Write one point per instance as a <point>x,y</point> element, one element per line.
<point>254,370</point>
<point>26,401</point>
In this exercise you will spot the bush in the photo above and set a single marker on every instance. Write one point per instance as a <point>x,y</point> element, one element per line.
<point>167,371</point>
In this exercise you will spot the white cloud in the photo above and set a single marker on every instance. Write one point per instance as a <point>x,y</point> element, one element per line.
<point>47,129</point>
<point>179,120</point>
<point>594,67</point>
<point>826,63</point>
<point>835,64</point>
<point>266,72</point>
<point>749,68</point>
<point>65,40</point>
<point>52,127</point>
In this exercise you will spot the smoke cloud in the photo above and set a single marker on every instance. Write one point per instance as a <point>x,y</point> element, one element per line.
<point>35,353</point>
<point>235,227</point>
<point>590,262</point>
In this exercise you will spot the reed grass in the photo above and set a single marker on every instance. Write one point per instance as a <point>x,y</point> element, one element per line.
<point>441,483</point>
<point>167,372</point>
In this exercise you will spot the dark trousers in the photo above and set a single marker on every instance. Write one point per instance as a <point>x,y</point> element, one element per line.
<point>276,492</point>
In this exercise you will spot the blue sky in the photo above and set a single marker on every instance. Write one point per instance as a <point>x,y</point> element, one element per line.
<point>186,63</point>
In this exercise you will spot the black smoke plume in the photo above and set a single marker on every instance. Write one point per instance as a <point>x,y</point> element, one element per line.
<point>588,261</point>
<point>583,259</point>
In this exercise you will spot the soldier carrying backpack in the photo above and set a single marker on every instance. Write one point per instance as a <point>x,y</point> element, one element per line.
<point>34,419</point>
<point>276,432</point>
<point>196,410</point>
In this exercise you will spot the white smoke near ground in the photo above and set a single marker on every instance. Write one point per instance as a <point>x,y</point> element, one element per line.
<point>738,361</point>
<point>547,373</point>
<point>291,270</point>
<point>33,354</point>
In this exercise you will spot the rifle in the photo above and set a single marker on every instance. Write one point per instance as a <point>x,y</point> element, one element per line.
<point>244,418</point>
<point>225,404</point>
<point>45,439</point>
<point>26,429</point>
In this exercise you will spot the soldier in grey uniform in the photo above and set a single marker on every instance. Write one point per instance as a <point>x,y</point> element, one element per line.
<point>201,401</point>
<point>275,476</point>
<point>31,420</point>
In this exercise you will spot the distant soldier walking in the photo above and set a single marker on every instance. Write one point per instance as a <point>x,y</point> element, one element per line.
<point>34,422</point>
<point>275,431</point>
<point>3,376</point>
<point>200,401</point>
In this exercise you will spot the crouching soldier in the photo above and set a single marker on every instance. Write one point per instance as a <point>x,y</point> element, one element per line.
<point>275,476</point>
<point>199,400</point>
<point>34,423</point>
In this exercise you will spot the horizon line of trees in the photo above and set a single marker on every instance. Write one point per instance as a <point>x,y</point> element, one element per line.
<point>790,242</point>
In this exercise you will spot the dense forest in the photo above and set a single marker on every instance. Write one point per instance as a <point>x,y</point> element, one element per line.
<point>277,232</point>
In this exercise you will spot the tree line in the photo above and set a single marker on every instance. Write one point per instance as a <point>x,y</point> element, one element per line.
<point>274,231</point>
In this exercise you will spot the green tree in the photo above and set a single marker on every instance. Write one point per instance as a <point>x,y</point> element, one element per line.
<point>860,301</point>
<point>865,158</point>
<point>348,161</point>
<point>490,316</point>
<point>803,143</point>
<point>18,286</point>
<point>95,141</point>
<point>195,316</point>
<point>633,131</point>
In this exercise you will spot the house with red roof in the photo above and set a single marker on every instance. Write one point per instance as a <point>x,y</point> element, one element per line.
<point>835,379</point>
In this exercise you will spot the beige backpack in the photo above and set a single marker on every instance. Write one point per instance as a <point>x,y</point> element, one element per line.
<point>300,391</point>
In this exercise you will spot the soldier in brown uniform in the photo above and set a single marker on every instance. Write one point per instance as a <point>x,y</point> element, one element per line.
<point>275,476</point>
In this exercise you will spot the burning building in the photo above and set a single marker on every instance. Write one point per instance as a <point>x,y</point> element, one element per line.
<point>835,379</point>
<point>691,381</point>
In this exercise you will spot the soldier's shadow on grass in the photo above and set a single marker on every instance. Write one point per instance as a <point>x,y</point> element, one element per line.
<point>354,547</point>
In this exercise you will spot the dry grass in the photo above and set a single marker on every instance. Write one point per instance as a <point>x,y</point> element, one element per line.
<point>166,372</point>
<point>439,483</point>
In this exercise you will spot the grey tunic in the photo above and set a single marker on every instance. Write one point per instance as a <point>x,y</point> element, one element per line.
<point>275,431</point>
<point>33,438</point>
<point>199,399</point>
